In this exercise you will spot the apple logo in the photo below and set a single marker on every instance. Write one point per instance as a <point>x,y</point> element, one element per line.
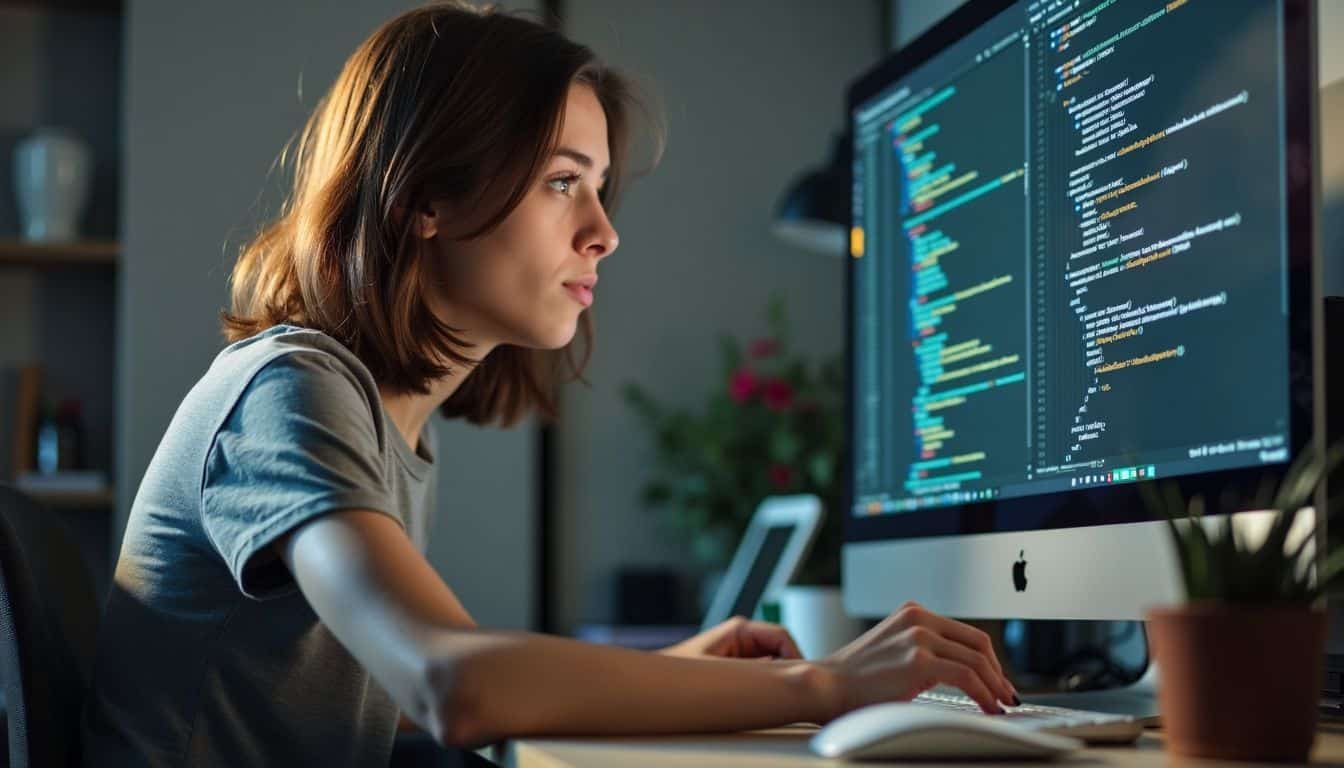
<point>1020,572</point>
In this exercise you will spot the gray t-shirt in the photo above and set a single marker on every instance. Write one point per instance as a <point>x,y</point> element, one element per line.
<point>208,654</point>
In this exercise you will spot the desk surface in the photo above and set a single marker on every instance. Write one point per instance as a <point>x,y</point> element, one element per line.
<point>788,747</point>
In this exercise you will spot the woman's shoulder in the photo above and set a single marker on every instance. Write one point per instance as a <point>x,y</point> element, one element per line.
<point>294,348</point>
<point>294,367</point>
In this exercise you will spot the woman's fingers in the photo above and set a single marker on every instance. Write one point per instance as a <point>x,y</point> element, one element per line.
<point>771,639</point>
<point>954,651</point>
<point>928,650</point>
<point>954,673</point>
<point>962,633</point>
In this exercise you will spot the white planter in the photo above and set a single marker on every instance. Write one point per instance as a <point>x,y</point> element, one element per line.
<point>815,616</point>
<point>52,171</point>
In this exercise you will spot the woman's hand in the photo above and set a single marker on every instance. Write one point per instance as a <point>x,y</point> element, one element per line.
<point>738,638</point>
<point>911,651</point>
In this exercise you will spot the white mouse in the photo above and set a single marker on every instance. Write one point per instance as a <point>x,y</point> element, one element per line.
<point>897,730</point>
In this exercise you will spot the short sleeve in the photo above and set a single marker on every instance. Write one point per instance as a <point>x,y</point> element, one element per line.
<point>300,441</point>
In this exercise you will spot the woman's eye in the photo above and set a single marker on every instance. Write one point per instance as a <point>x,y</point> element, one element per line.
<point>563,184</point>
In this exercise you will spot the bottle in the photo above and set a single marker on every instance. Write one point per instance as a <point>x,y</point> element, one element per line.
<point>60,438</point>
<point>48,440</point>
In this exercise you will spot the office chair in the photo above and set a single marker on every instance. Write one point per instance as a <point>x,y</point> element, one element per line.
<point>48,619</point>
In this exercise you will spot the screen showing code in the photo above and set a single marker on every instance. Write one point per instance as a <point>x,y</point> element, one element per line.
<point>1069,255</point>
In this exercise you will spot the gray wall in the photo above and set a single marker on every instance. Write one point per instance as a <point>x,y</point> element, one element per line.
<point>754,93</point>
<point>212,93</point>
<point>911,17</point>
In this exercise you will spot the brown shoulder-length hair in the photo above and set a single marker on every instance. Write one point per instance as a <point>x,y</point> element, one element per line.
<point>444,102</point>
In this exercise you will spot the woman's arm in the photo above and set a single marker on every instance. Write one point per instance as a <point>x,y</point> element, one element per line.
<point>467,686</point>
<point>374,590</point>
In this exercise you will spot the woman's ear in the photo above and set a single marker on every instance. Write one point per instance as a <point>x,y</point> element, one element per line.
<point>427,221</point>
<point>426,218</point>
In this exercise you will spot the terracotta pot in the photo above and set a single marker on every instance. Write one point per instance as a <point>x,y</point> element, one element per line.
<point>1238,682</point>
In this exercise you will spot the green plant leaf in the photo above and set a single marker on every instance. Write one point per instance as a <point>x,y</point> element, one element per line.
<point>656,494</point>
<point>1264,495</point>
<point>1221,564</point>
<point>785,446</point>
<point>639,401</point>
<point>1182,554</point>
<point>1300,549</point>
<point>1267,564</point>
<point>822,469</point>
<point>712,462</point>
<point>1331,576</point>
<point>1304,476</point>
<point>1153,500</point>
<point>1201,552</point>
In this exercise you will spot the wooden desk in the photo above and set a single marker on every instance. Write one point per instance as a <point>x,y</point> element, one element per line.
<point>788,747</point>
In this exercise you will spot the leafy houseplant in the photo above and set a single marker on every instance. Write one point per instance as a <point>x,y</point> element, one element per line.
<point>772,425</point>
<point>1240,661</point>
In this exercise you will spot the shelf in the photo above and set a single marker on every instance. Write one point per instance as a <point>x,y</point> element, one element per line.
<point>95,6</point>
<point>74,499</point>
<point>96,253</point>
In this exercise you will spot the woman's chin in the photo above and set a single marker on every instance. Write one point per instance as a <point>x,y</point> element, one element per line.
<point>556,337</point>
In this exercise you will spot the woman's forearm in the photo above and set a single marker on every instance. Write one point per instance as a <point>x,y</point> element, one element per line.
<point>489,685</point>
<point>465,685</point>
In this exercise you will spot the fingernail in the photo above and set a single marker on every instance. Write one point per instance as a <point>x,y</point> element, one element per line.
<point>1001,710</point>
<point>1016,701</point>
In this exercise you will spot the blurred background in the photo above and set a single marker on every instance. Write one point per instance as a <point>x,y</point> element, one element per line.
<point>172,115</point>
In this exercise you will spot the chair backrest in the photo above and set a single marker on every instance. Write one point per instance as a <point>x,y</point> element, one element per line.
<point>48,622</point>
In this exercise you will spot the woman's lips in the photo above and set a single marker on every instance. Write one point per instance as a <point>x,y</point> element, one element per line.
<point>581,293</point>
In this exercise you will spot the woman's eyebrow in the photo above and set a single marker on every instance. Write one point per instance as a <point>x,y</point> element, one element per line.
<point>580,158</point>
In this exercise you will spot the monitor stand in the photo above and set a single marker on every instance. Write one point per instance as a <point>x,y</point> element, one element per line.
<point>1138,699</point>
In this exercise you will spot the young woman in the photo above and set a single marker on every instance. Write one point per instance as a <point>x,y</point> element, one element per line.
<point>272,604</point>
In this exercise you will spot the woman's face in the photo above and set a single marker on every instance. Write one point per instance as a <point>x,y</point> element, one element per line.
<point>526,282</point>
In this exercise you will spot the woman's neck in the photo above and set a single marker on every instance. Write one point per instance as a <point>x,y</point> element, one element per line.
<point>410,410</point>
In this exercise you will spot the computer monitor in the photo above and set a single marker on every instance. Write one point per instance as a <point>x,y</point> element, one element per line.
<point>1082,258</point>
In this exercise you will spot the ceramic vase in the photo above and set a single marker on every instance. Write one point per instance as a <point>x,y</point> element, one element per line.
<point>52,173</point>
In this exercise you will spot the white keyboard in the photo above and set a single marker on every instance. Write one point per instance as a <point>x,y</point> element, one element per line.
<point>1091,727</point>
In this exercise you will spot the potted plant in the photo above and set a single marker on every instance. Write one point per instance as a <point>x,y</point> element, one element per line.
<point>772,425</point>
<point>1240,661</point>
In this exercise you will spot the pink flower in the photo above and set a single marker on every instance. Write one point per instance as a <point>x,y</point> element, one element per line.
<point>763,348</point>
<point>780,476</point>
<point>743,385</point>
<point>778,395</point>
